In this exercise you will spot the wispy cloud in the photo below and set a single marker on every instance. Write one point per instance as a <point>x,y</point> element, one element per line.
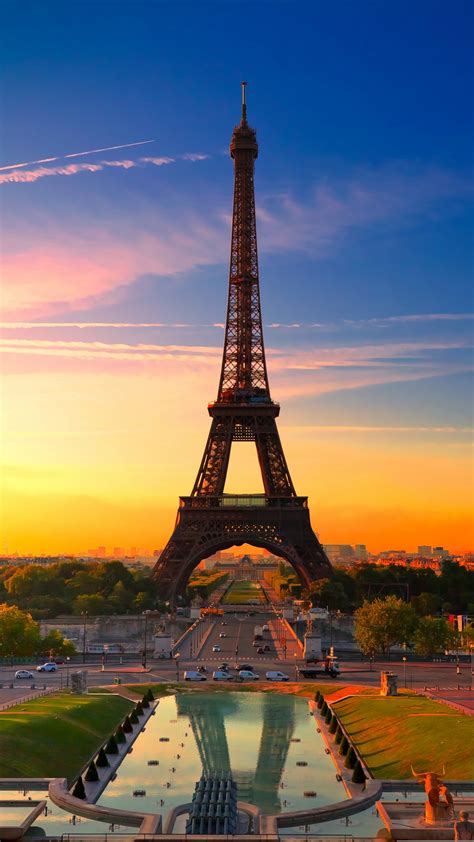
<point>415,318</point>
<point>393,193</point>
<point>76,154</point>
<point>29,176</point>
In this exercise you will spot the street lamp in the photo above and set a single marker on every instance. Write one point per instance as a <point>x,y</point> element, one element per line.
<point>68,658</point>
<point>84,615</point>
<point>404,659</point>
<point>296,667</point>
<point>145,614</point>
<point>177,657</point>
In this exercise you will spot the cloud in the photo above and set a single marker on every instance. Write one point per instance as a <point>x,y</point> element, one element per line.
<point>76,154</point>
<point>194,156</point>
<point>29,176</point>
<point>393,193</point>
<point>342,323</point>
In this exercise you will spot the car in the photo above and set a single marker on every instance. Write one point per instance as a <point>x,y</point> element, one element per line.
<point>265,627</point>
<point>222,634</point>
<point>224,667</point>
<point>24,674</point>
<point>194,675</point>
<point>223,623</point>
<point>276,675</point>
<point>59,660</point>
<point>202,668</point>
<point>216,648</point>
<point>222,675</point>
<point>244,667</point>
<point>248,675</point>
<point>50,666</point>
<point>256,643</point>
<point>260,650</point>
<point>266,647</point>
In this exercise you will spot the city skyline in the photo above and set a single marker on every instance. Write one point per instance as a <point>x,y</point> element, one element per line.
<point>116,272</point>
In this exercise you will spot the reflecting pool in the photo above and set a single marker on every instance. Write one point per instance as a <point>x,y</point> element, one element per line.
<point>267,740</point>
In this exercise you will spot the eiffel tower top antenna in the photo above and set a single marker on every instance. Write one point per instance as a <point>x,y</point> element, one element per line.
<point>244,103</point>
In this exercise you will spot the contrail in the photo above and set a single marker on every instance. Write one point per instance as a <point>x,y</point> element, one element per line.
<point>76,154</point>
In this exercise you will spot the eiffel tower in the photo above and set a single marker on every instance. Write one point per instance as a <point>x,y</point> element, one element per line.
<point>210,520</point>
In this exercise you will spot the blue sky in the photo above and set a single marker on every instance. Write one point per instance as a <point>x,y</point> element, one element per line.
<point>363,114</point>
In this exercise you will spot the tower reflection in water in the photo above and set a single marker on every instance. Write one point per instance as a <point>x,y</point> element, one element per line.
<point>224,728</point>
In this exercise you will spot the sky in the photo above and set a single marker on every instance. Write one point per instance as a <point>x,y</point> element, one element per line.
<point>116,201</point>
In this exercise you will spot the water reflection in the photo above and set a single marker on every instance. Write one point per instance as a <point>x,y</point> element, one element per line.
<point>260,737</point>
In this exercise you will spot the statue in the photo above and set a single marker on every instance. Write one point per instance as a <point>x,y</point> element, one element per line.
<point>440,804</point>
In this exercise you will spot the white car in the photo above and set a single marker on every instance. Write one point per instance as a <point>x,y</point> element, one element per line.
<point>24,674</point>
<point>222,634</point>
<point>222,675</point>
<point>194,675</point>
<point>265,627</point>
<point>216,648</point>
<point>276,675</point>
<point>248,675</point>
<point>49,667</point>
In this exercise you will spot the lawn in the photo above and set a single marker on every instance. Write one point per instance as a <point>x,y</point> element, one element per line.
<point>298,689</point>
<point>55,735</point>
<point>394,732</point>
<point>243,593</point>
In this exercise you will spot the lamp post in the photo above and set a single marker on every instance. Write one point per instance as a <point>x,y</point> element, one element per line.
<point>296,667</point>
<point>84,615</point>
<point>145,614</point>
<point>68,658</point>
<point>177,657</point>
<point>404,659</point>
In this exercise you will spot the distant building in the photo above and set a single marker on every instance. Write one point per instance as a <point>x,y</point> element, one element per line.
<point>100,552</point>
<point>360,552</point>
<point>118,552</point>
<point>340,553</point>
<point>424,551</point>
<point>440,552</point>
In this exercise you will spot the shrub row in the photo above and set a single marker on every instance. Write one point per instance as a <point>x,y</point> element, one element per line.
<point>111,746</point>
<point>346,750</point>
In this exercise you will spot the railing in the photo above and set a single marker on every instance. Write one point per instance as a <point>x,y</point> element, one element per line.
<point>242,501</point>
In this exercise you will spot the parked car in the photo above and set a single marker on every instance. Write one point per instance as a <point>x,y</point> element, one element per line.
<point>50,666</point>
<point>24,674</point>
<point>266,647</point>
<point>224,667</point>
<point>265,627</point>
<point>222,675</point>
<point>248,675</point>
<point>202,668</point>
<point>194,675</point>
<point>276,675</point>
<point>59,660</point>
<point>216,648</point>
<point>260,650</point>
<point>244,667</point>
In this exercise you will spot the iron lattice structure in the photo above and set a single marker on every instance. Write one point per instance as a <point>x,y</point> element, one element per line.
<point>210,520</point>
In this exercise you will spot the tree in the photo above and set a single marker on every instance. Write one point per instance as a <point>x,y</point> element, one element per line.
<point>381,624</point>
<point>426,604</point>
<point>93,604</point>
<point>433,635</point>
<point>55,644</point>
<point>19,634</point>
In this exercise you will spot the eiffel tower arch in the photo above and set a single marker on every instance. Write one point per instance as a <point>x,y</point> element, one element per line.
<point>210,520</point>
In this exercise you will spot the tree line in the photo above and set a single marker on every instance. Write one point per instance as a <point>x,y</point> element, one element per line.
<point>429,594</point>
<point>76,587</point>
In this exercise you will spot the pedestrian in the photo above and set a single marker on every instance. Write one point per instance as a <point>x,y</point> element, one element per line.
<point>463,829</point>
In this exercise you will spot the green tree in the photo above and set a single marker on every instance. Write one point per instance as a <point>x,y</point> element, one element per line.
<point>426,604</point>
<point>19,634</point>
<point>55,644</point>
<point>382,623</point>
<point>94,605</point>
<point>433,635</point>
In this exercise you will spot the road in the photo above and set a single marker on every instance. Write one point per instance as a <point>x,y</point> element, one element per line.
<point>239,631</point>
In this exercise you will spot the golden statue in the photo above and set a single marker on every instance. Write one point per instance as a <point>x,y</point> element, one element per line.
<point>440,804</point>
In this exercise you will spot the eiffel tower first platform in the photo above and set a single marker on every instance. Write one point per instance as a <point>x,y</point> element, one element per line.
<point>209,520</point>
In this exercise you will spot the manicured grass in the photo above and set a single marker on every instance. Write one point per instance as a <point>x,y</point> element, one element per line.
<point>242,593</point>
<point>55,735</point>
<point>392,733</point>
<point>297,689</point>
